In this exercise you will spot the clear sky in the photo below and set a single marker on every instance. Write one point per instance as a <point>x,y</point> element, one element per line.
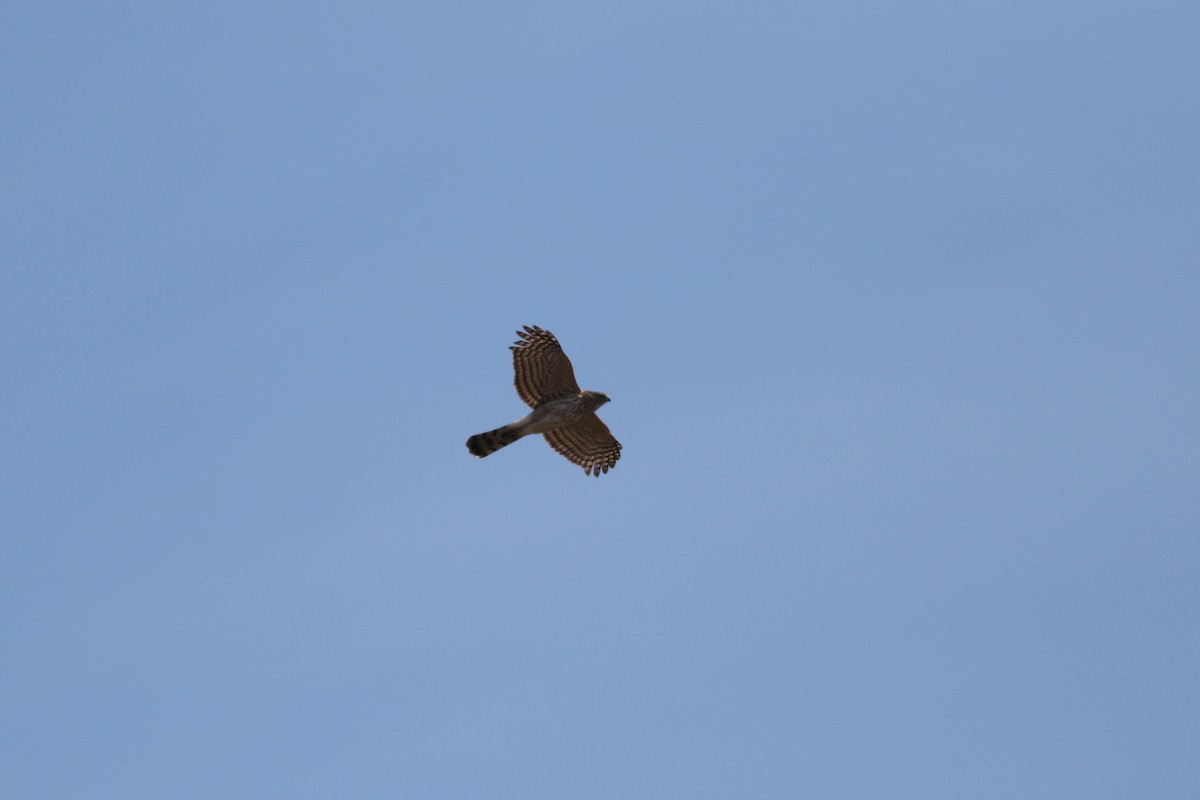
<point>898,305</point>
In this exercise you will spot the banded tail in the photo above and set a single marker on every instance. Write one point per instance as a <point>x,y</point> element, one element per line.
<point>484,444</point>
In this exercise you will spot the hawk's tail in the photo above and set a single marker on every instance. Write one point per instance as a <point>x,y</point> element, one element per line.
<point>484,444</point>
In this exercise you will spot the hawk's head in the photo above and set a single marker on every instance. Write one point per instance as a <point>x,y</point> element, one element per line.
<point>595,399</point>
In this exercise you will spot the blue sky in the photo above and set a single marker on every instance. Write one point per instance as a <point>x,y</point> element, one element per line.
<point>896,302</point>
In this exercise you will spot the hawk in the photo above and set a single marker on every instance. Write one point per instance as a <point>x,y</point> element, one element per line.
<point>562,412</point>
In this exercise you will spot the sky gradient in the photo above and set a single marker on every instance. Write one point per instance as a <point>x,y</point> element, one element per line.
<point>898,305</point>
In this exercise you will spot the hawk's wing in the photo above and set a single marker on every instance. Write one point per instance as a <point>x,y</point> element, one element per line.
<point>542,369</point>
<point>588,443</point>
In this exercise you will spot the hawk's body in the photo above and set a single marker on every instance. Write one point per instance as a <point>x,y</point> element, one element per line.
<point>562,412</point>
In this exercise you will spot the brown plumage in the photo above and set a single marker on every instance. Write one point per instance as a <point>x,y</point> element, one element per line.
<point>562,412</point>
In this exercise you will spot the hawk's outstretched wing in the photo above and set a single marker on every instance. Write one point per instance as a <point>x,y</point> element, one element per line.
<point>542,369</point>
<point>588,443</point>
